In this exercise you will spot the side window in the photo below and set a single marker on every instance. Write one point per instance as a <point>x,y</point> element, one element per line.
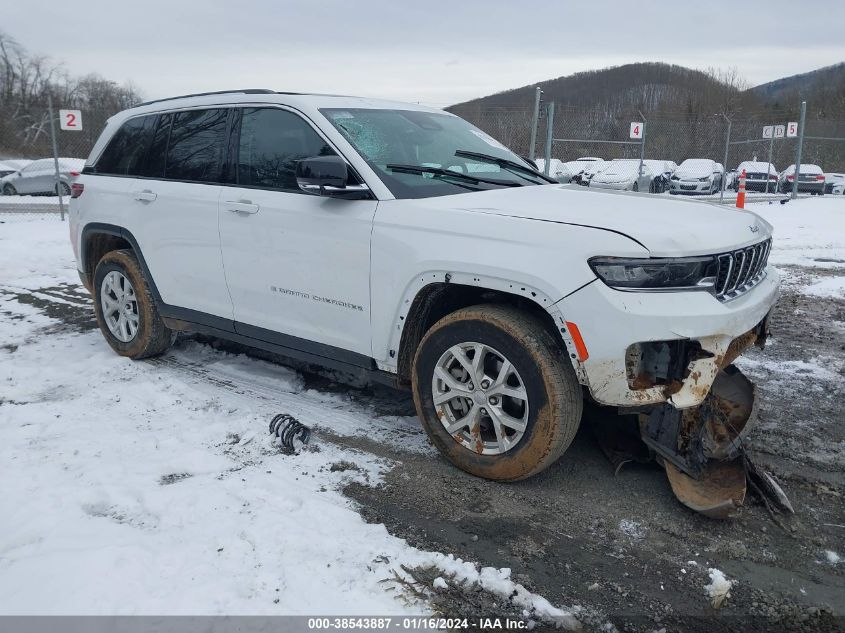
<point>272,141</point>
<point>125,152</point>
<point>195,148</point>
<point>154,166</point>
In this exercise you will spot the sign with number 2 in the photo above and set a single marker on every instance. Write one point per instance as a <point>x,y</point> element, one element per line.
<point>70,119</point>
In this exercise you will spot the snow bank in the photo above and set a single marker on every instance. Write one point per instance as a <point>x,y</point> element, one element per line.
<point>807,231</point>
<point>831,287</point>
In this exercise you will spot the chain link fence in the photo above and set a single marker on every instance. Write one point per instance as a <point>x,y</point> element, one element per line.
<point>672,153</point>
<point>661,153</point>
<point>28,179</point>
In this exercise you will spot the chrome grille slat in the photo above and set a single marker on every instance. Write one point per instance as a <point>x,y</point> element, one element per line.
<point>741,270</point>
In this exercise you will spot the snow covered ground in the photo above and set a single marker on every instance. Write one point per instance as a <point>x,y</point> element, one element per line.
<point>145,488</point>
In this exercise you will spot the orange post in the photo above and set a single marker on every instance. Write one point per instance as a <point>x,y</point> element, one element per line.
<point>740,197</point>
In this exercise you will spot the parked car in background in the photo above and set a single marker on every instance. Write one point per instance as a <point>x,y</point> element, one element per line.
<point>810,179</point>
<point>623,174</point>
<point>831,180</point>
<point>564,172</point>
<point>39,177</point>
<point>697,175</point>
<point>591,170</point>
<point>838,189</point>
<point>662,170</point>
<point>759,176</point>
<point>11,165</point>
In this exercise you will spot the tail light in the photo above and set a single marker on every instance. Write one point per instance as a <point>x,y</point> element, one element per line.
<point>820,177</point>
<point>790,177</point>
<point>773,177</point>
<point>76,189</point>
<point>74,173</point>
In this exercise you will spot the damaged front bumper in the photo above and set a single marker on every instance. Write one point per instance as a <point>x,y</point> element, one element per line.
<point>667,358</point>
<point>650,347</point>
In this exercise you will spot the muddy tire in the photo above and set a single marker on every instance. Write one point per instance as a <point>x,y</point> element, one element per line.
<point>118,272</point>
<point>540,371</point>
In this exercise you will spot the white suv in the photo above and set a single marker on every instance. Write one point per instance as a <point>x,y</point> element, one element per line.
<point>403,244</point>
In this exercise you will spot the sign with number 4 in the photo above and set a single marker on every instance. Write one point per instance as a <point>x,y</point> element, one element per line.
<point>792,129</point>
<point>636,129</point>
<point>70,119</point>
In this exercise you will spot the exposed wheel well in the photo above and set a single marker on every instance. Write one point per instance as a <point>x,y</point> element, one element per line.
<point>435,301</point>
<point>96,246</point>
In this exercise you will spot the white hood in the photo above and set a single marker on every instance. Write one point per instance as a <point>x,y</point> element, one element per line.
<point>665,226</point>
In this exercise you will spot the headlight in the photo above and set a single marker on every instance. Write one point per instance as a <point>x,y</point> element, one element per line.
<point>683,273</point>
<point>705,179</point>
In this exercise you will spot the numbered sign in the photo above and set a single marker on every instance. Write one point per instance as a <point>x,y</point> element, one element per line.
<point>636,129</point>
<point>780,131</point>
<point>70,119</point>
<point>792,129</point>
<point>768,130</point>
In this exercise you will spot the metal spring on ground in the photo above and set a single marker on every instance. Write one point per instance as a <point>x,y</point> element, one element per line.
<point>288,428</point>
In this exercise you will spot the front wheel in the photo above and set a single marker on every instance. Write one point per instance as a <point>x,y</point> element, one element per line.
<point>126,312</point>
<point>496,392</point>
<point>9,190</point>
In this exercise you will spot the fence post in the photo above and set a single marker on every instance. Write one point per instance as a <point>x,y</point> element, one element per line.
<point>642,147</point>
<point>55,155</point>
<point>725,163</point>
<point>798,149</point>
<point>769,168</point>
<point>535,121</point>
<point>550,120</point>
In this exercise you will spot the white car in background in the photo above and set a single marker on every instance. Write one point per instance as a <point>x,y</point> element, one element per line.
<point>759,176</point>
<point>810,179</point>
<point>565,172</point>
<point>11,165</point>
<point>39,177</point>
<point>834,183</point>
<point>623,174</point>
<point>592,169</point>
<point>697,176</point>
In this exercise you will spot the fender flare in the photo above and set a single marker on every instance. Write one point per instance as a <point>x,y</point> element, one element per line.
<point>101,228</point>
<point>486,282</point>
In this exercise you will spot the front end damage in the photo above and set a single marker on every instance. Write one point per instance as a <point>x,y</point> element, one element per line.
<point>701,447</point>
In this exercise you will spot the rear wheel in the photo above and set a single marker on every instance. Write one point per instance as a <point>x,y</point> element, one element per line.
<point>125,309</point>
<point>9,190</point>
<point>496,393</point>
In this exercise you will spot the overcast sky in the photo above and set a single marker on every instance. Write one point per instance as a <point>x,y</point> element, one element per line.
<point>437,53</point>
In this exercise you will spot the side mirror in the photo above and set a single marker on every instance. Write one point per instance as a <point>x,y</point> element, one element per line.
<point>328,176</point>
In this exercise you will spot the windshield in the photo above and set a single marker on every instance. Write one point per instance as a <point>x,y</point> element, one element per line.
<point>387,139</point>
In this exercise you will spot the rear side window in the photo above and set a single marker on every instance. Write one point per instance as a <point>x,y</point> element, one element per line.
<point>272,142</point>
<point>154,167</point>
<point>125,152</point>
<point>195,147</point>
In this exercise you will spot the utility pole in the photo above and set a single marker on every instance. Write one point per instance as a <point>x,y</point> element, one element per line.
<point>642,147</point>
<point>798,149</point>
<point>535,121</point>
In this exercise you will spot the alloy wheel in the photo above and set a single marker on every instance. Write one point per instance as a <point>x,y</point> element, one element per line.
<point>480,398</point>
<point>120,306</point>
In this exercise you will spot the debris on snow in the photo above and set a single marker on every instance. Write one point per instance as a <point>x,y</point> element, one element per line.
<point>719,588</point>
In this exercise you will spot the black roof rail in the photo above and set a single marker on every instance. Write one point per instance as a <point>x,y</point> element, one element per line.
<point>246,91</point>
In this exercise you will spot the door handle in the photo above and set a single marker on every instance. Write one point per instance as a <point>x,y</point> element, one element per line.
<point>145,196</point>
<point>241,206</point>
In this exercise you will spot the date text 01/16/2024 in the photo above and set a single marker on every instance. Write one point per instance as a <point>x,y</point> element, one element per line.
<point>417,623</point>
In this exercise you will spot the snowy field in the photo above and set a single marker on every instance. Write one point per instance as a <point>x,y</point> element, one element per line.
<point>154,488</point>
